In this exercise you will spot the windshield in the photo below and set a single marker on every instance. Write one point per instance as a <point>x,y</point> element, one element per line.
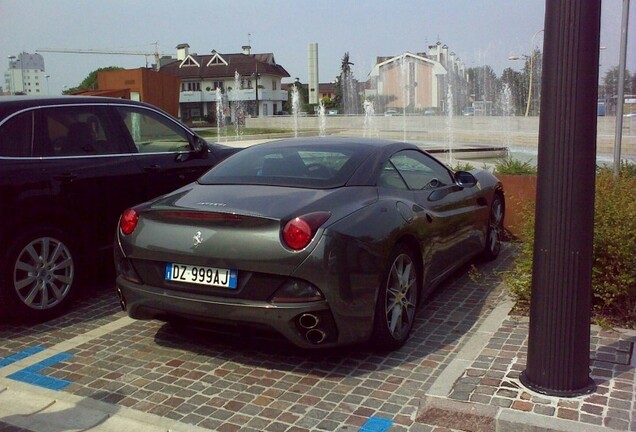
<point>316,166</point>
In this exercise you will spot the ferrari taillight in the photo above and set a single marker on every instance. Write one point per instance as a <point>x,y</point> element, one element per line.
<point>298,232</point>
<point>128,221</point>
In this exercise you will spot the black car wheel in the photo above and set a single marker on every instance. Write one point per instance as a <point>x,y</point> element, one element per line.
<point>495,228</point>
<point>397,301</point>
<point>39,275</point>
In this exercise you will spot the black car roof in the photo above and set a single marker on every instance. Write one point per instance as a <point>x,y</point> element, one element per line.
<point>9,104</point>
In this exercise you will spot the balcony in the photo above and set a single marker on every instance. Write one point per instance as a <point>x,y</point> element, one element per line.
<point>233,95</point>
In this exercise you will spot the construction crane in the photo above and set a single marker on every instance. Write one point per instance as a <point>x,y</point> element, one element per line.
<point>155,54</point>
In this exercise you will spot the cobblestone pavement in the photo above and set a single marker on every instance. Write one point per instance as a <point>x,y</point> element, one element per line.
<point>202,380</point>
<point>493,378</point>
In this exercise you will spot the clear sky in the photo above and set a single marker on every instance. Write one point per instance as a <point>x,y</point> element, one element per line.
<point>479,31</point>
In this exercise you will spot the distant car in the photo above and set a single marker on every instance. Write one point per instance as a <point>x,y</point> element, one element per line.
<point>469,111</point>
<point>430,112</point>
<point>390,112</point>
<point>630,115</point>
<point>69,166</point>
<point>325,241</point>
<point>332,112</point>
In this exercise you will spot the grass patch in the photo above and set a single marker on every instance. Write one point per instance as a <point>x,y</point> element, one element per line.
<point>513,166</point>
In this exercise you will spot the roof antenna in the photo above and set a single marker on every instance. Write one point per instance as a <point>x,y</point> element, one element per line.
<point>249,39</point>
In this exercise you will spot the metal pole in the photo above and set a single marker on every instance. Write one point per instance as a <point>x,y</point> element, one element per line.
<point>559,332</point>
<point>531,72</point>
<point>620,99</point>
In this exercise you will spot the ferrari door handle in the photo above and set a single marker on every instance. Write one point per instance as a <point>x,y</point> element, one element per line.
<point>66,177</point>
<point>152,168</point>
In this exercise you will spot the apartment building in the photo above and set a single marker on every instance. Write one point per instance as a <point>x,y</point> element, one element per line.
<point>243,84</point>
<point>415,83</point>
<point>26,75</point>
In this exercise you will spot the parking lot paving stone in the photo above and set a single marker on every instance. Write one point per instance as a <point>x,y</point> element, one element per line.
<point>229,383</point>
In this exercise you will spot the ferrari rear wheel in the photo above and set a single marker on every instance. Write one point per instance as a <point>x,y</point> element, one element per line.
<point>397,301</point>
<point>495,228</point>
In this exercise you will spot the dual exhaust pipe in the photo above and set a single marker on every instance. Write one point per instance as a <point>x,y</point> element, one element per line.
<point>313,334</point>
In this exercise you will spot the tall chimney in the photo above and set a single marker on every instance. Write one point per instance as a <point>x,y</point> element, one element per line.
<point>182,51</point>
<point>246,49</point>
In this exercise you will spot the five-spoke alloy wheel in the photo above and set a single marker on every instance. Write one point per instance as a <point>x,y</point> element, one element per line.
<point>397,300</point>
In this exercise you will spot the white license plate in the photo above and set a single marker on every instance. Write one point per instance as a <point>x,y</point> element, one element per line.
<point>201,275</point>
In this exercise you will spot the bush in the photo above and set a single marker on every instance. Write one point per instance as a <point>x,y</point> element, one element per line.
<point>513,166</point>
<point>613,271</point>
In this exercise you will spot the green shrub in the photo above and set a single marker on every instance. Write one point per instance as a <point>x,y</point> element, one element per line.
<point>463,166</point>
<point>613,270</point>
<point>513,166</point>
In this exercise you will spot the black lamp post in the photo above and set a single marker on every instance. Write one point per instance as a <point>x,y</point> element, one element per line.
<point>256,75</point>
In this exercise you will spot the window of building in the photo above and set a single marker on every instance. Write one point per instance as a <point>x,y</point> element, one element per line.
<point>274,85</point>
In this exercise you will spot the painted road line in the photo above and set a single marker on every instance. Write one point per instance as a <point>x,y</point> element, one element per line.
<point>31,374</point>
<point>65,346</point>
<point>376,424</point>
<point>21,355</point>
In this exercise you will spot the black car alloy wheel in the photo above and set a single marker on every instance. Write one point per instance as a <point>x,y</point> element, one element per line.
<point>41,273</point>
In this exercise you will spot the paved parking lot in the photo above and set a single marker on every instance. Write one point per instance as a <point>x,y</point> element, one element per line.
<point>465,350</point>
<point>229,382</point>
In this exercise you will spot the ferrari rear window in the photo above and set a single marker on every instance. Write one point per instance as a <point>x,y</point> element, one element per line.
<point>316,166</point>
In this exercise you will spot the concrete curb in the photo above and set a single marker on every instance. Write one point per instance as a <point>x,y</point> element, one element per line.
<point>42,410</point>
<point>473,417</point>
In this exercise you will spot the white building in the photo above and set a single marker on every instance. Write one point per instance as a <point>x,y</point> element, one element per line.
<point>418,83</point>
<point>26,75</point>
<point>245,82</point>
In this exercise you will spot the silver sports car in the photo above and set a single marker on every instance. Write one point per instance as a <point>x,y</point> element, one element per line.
<point>325,241</point>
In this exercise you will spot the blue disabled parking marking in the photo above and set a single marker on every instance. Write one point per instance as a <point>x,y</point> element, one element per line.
<point>376,424</point>
<point>31,375</point>
<point>6,361</point>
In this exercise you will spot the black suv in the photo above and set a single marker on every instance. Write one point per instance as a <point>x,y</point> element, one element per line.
<point>69,166</point>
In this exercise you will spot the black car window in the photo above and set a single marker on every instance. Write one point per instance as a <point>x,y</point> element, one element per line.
<point>391,178</point>
<point>83,130</point>
<point>308,166</point>
<point>152,132</point>
<point>16,136</point>
<point>420,171</point>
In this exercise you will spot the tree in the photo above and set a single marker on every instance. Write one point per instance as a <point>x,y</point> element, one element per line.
<point>484,86</point>
<point>346,89</point>
<point>303,93</point>
<point>90,82</point>
<point>610,82</point>
<point>518,91</point>
<point>609,89</point>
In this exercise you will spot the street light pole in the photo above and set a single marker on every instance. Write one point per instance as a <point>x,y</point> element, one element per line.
<point>47,84</point>
<point>620,100</point>
<point>531,72</point>
<point>256,80</point>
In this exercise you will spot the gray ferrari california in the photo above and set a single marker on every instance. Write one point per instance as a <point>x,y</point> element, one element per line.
<point>326,241</point>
